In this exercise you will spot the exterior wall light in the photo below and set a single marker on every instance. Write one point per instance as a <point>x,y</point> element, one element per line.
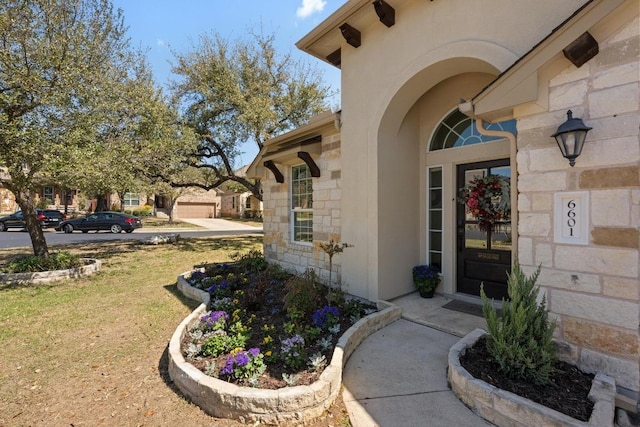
<point>570,137</point>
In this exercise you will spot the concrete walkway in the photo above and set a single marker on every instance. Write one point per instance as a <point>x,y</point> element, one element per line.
<point>397,376</point>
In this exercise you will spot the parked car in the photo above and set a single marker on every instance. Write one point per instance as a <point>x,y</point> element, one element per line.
<point>46,217</point>
<point>112,221</point>
<point>50,217</point>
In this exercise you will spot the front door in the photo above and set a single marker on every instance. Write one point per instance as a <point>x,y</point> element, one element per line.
<point>483,252</point>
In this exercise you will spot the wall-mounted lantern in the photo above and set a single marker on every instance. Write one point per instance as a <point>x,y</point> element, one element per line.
<point>570,137</point>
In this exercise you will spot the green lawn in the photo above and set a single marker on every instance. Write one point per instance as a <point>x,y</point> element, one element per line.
<point>91,351</point>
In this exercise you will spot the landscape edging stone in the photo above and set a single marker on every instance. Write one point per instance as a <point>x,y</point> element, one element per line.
<point>91,266</point>
<point>504,408</point>
<point>299,403</point>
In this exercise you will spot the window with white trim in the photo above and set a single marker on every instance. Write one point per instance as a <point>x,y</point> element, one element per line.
<point>434,220</point>
<point>301,204</point>
<point>131,199</point>
<point>47,194</point>
<point>458,130</point>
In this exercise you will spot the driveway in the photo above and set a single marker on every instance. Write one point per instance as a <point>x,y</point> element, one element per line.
<point>217,224</point>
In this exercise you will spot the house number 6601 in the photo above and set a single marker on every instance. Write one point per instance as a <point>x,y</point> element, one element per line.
<point>571,216</point>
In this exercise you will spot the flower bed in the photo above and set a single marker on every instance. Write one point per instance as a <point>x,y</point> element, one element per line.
<point>91,266</point>
<point>297,365</point>
<point>504,408</point>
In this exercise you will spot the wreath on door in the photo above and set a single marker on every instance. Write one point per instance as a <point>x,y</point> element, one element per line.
<point>488,199</point>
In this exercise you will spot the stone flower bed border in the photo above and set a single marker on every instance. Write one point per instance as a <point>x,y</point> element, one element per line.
<point>300,403</point>
<point>504,408</point>
<point>91,266</point>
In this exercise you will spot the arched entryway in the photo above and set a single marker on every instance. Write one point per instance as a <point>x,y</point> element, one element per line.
<point>407,164</point>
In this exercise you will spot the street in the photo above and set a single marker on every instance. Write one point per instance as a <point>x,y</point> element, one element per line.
<point>20,238</point>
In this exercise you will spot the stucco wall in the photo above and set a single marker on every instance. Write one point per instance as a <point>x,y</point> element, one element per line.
<point>384,78</point>
<point>592,290</point>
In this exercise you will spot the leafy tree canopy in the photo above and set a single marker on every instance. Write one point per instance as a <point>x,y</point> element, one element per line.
<point>234,92</point>
<point>77,106</point>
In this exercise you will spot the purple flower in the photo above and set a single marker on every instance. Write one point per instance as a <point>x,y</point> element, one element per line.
<point>254,352</point>
<point>321,316</point>
<point>213,318</point>
<point>228,367</point>
<point>196,276</point>
<point>290,343</point>
<point>422,273</point>
<point>242,359</point>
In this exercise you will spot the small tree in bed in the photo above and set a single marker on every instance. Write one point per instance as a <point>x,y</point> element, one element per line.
<point>520,338</point>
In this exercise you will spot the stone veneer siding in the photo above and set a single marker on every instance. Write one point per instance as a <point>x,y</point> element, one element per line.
<point>278,246</point>
<point>593,290</point>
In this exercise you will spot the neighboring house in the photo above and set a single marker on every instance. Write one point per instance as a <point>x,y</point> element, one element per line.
<point>54,197</point>
<point>7,200</point>
<point>238,203</point>
<point>436,93</point>
<point>194,203</point>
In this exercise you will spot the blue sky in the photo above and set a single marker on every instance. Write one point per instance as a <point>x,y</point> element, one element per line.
<point>157,25</point>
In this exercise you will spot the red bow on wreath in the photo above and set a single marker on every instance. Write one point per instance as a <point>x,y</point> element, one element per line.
<point>489,200</point>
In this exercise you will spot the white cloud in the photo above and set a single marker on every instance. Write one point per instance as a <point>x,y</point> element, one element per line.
<point>161,43</point>
<point>309,7</point>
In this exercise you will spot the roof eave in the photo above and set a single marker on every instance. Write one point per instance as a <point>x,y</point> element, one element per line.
<point>524,82</point>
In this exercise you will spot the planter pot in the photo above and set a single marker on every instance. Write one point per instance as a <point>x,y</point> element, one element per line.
<point>427,294</point>
<point>504,408</point>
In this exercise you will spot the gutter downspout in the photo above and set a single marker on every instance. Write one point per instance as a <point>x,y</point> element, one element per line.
<point>514,180</point>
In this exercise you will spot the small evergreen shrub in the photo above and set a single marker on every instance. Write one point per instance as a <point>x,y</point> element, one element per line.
<point>520,339</point>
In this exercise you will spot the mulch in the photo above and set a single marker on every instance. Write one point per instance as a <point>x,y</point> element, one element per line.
<point>567,392</point>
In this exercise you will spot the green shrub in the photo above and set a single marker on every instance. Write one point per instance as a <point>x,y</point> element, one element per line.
<point>33,263</point>
<point>251,261</point>
<point>142,211</point>
<point>520,338</point>
<point>304,295</point>
<point>221,343</point>
<point>43,203</point>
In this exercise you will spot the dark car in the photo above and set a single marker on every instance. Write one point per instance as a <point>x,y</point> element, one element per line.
<point>112,221</point>
<point>50,217</point>
<point>46,217</point>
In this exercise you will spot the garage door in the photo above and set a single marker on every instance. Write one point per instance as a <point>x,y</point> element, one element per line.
<point>196,210</point>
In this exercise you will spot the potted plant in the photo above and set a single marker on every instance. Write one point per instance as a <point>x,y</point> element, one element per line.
<point>426,279</point>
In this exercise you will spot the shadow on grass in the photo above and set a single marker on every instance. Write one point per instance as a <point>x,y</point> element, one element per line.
<point>237,244</point>
<point>4,287</point>
<point>163,363</point>
<point>91,249</point>
<point>163,370</point>
<point>187,302</point>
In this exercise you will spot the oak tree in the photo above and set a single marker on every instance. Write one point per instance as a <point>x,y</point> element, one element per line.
<point>241,91</point>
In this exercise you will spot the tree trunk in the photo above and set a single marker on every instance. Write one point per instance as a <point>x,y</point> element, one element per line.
<point>101,204</point>
<point>121,196</point>
<point>65,200</point>
<point>27,205</point>
<point>172,204</point>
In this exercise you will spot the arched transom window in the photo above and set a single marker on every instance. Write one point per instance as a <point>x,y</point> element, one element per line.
<point>459,130</point>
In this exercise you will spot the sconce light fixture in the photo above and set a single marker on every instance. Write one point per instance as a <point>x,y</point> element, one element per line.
<point>570,137</point>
